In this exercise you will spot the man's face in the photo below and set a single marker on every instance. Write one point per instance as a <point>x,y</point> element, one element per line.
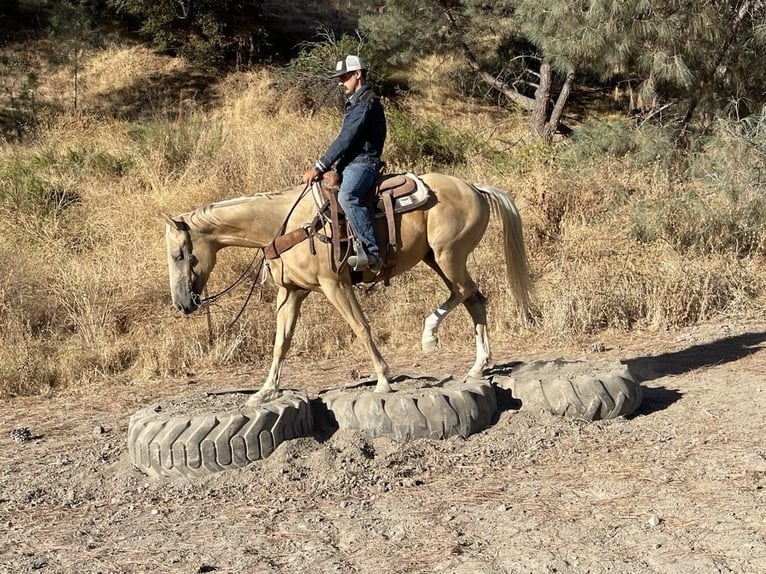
<point>350,82</point>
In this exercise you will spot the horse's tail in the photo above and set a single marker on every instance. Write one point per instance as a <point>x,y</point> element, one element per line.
<point>516,264</point>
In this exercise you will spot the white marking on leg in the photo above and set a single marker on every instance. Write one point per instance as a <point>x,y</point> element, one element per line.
<point>429,339</point>
<point>482,352</point>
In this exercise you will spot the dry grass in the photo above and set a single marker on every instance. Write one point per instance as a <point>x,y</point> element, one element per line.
<point>83,287</point>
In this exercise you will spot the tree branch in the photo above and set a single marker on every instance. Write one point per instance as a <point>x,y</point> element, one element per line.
<point>733,31</point>
<point>516,97</point>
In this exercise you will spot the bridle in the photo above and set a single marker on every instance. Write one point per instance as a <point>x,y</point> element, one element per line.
<point>209,300</point>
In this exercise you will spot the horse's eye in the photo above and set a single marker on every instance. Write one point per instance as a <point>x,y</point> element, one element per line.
<point>192,260</point>
<point>179,256</point>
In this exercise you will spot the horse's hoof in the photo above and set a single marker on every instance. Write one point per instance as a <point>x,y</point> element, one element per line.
<point>429,345</point>
<point>383,387</point>
<point>261,398</point>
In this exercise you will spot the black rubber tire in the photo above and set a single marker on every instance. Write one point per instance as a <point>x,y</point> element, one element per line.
<point>192,446</point>
<point>454,408</point>
<point>574,389</point>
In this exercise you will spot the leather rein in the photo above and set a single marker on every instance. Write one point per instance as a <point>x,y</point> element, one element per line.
<point>209,300</point>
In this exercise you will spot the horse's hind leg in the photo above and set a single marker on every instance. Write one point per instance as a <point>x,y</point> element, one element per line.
<point>477,308</point>
<point>430,338</point>
<point>462,290</point>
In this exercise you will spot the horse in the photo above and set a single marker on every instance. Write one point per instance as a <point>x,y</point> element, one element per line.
<point>442,234</point>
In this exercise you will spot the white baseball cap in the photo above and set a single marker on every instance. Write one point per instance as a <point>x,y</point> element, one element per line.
<point>348,64</point>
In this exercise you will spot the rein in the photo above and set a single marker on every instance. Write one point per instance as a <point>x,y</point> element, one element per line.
<point>207,301</point>
<point>212,298</point>
<point>283,227</point>
<point>247,299</point>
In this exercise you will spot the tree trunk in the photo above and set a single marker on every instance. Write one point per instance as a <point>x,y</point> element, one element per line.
<point>554,123</point>
<point>543,124</point>
<point>542,97</point>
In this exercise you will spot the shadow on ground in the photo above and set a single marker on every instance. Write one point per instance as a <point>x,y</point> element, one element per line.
<point>706,355</point>
<point>726,350</point>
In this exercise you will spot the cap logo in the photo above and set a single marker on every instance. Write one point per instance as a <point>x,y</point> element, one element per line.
<point>339,65</point>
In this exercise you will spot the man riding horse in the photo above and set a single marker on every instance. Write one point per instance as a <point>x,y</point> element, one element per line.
<point>356,154</point>
<point>441,233</point>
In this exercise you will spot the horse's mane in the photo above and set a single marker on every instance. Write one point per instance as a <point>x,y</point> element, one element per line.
<point>206,215</point>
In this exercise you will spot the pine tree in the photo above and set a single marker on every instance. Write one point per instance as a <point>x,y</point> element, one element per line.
<point>488,36</point>
<point>684,57</point>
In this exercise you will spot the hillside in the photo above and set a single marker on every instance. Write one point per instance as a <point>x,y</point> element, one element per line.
<point>632,262</point>
<point>151,135</point>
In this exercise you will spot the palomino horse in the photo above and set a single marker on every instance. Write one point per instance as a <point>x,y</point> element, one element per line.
<point>442,234</point>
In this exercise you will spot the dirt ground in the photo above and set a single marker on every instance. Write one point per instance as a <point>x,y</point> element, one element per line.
<point>680,487</point>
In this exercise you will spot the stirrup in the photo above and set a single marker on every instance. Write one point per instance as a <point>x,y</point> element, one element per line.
<point>362,261</point>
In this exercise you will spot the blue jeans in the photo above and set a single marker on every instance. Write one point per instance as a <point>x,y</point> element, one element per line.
<point>357,181</point>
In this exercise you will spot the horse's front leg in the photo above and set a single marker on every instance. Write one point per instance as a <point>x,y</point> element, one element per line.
<point>341,295</point>
<point>288,309</point>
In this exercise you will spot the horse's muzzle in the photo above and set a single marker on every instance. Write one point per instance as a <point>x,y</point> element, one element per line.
<point>192,305</point>
<point>184,310</point>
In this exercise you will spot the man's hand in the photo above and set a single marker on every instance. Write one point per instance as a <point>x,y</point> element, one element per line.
<point>311,175</point>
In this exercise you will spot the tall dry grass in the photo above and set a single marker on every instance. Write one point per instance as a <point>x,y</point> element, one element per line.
<point>84,300</point>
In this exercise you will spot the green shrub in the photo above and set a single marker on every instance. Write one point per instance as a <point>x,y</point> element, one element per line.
<point>703,223</point>
<point>204,31</point>
<point>34,186</point>
<point>723,205</point>
<point>645,145</point>
<point>45,183</point>
<point>20,83</point>
<point>171,146</point>
<point>430,143</point>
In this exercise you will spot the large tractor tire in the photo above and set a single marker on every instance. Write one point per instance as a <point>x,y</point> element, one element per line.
<point>451,408</point>
<point>574,389</point>
<point>198,445</point>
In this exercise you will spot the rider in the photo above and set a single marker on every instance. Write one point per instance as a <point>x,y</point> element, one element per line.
<point>356,155</point>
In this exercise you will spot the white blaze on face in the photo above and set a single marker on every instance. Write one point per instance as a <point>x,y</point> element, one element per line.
<point>178,282</point>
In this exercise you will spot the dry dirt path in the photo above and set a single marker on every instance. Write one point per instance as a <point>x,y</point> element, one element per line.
<point>678,488</point>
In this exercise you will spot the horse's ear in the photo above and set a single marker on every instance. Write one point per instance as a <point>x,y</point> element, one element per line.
<point>177,224</point>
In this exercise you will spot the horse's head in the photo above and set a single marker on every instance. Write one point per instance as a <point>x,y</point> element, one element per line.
<point>189,264</point>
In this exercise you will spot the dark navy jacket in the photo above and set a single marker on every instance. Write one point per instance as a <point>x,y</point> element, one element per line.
<point>362,135</point>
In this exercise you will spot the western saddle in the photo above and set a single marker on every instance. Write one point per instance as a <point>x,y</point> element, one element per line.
<point>390,194</point>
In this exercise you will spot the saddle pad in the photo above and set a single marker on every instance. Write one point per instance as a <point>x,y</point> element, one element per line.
<point>410,201</point>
